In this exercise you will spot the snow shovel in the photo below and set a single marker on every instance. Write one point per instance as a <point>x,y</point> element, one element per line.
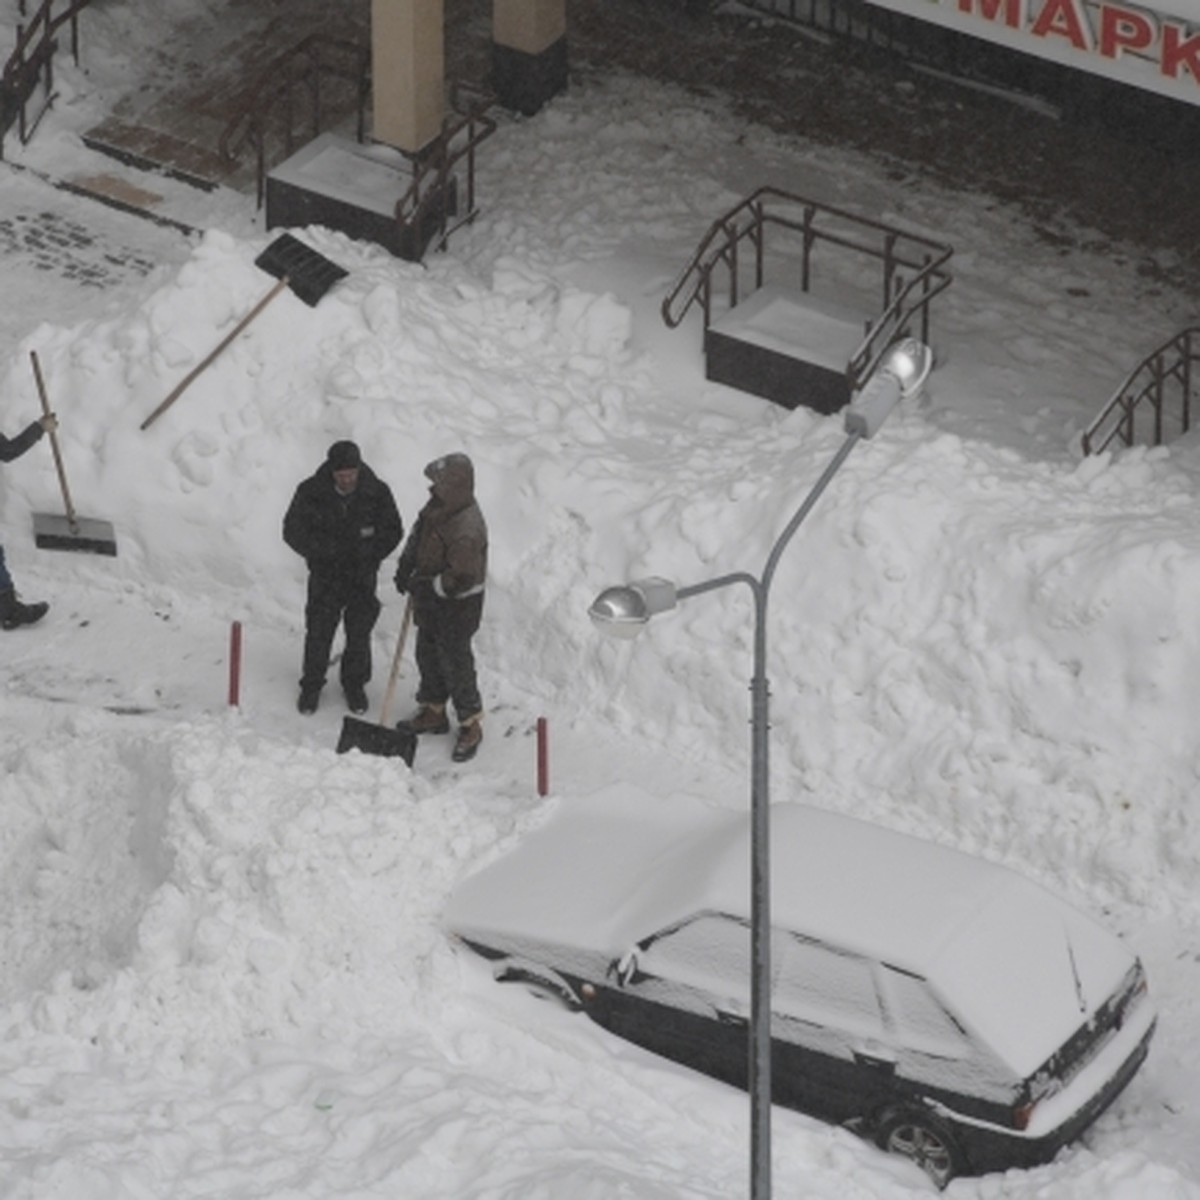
<point>69,532</point>
<point>380,739</point>
<point>309,274</point>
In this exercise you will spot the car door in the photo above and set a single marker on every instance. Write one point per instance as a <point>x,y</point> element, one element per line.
<point>684,993</point>
<point>832,1057</point>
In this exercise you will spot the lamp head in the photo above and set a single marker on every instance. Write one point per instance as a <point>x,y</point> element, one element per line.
<point>910,361</point>
<point>621,611</point>
<point>901,374</point>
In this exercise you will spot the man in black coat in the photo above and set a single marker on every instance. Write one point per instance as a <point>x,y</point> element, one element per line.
<point>13,613</point>
<point>343,522</point>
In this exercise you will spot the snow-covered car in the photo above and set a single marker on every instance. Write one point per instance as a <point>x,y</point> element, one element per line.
<point>946,1007</point>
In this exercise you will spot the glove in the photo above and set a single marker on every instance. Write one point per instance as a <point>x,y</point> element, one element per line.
<point>404,579</point>
<point>421,588</point>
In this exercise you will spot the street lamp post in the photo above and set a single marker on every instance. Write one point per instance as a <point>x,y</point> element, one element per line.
<point>622,612</point>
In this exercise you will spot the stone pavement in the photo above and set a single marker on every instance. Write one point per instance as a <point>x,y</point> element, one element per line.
<point>65,259</point>
<point>213,64</point>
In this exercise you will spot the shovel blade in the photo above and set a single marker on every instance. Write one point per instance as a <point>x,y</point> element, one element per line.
<point>380,740</point>
<point>309,274</point>
<point>51,532</point>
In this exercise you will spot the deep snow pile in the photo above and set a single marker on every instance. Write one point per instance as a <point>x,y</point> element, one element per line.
<point>223,972</point>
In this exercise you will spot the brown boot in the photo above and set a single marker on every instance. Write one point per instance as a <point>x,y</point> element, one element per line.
<point>470,734</point>
<point>429,718</point>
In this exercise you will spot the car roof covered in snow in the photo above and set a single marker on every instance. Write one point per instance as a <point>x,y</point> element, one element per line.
<point>621,865</point>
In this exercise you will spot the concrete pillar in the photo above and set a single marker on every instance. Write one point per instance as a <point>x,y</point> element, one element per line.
<point>529,52</point>
<point>408,68</point>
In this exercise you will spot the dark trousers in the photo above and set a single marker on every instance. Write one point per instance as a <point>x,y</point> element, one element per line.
<point>445,659</point>
<point>330,602</point>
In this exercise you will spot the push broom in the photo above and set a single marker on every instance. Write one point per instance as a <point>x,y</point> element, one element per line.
<point>69,532</point>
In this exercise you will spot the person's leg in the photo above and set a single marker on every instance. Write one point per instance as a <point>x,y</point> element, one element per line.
<point>459,625</point>
<point>432,691</point>
<point>360,615</point>
<point>458,663</point>
<point>322,612</point>
<point>14,614</point>
<point>432,688</point>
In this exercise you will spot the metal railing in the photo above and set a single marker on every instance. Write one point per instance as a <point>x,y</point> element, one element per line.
<point>460,137</point>
<point>1154,404</point>
<point>292,99</point>
<point>32,63</point>
<point>912,268</point>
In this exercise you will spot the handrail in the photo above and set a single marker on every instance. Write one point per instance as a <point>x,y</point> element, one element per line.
<point>303,66</point>
<point>32,60</point>
<point>913,267</point>
<point>914,296</point>
<point>1147,382</point>
<point>431,171</point>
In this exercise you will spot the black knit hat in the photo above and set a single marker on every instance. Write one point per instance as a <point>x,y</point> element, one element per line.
<point>343,456</point>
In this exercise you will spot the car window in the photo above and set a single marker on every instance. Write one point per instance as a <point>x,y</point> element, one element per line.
<point>710,951</point>
<point>816,983</point>
<point>917,1018</point>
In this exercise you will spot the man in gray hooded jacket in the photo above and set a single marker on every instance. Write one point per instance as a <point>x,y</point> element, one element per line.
<point>443,566</point>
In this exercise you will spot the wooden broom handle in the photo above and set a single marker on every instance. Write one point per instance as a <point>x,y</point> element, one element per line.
<point>190,377</point>
<point>58,462</point>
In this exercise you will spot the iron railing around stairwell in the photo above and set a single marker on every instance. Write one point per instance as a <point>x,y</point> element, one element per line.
<point>1154,404</point>
<point>291,100</point>
<point>32,63</point>
<point>912,268</point>
<point>423,206</point>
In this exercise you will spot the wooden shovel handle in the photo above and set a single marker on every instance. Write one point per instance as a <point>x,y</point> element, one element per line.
<point>190,377</point>
<point>391,683</point>
<point>58,461</point>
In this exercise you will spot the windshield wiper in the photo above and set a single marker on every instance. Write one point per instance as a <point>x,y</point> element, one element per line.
<point>1075,972</point>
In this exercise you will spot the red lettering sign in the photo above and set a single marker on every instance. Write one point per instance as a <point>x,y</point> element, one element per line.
<point>1124,29</point>
<point>1060,17</point>
<point>1180,49</point>
<point>990,10</point>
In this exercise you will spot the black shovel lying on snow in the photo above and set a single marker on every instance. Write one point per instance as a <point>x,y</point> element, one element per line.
<point>51,532</point>
<point>309,274</point>
<point>379,739</point>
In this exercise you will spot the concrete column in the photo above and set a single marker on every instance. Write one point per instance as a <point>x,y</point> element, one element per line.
<point>529,52</point>
<point>408,68</point>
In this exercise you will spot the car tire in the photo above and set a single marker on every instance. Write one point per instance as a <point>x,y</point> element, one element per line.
<point>919,1135</point>
<point>541,986</point>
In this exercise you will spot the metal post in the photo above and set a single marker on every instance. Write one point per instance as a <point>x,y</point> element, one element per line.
<point>235,664</point>
<point>759,1048</point>
<point>760,910</point>
<point>543,758</point>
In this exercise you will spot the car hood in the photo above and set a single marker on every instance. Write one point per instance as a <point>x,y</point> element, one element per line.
<point>604,870</point>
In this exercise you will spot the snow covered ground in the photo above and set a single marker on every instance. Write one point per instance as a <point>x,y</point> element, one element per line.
<point>221,966</point>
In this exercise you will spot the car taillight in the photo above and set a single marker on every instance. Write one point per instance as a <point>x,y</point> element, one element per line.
<point>1023,1114</point>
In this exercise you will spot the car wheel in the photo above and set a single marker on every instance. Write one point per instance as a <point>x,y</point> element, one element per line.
<point>541,986</point>
<point>919,1135</point>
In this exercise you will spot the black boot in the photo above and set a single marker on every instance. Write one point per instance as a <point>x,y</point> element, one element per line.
<point>13,613</point>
